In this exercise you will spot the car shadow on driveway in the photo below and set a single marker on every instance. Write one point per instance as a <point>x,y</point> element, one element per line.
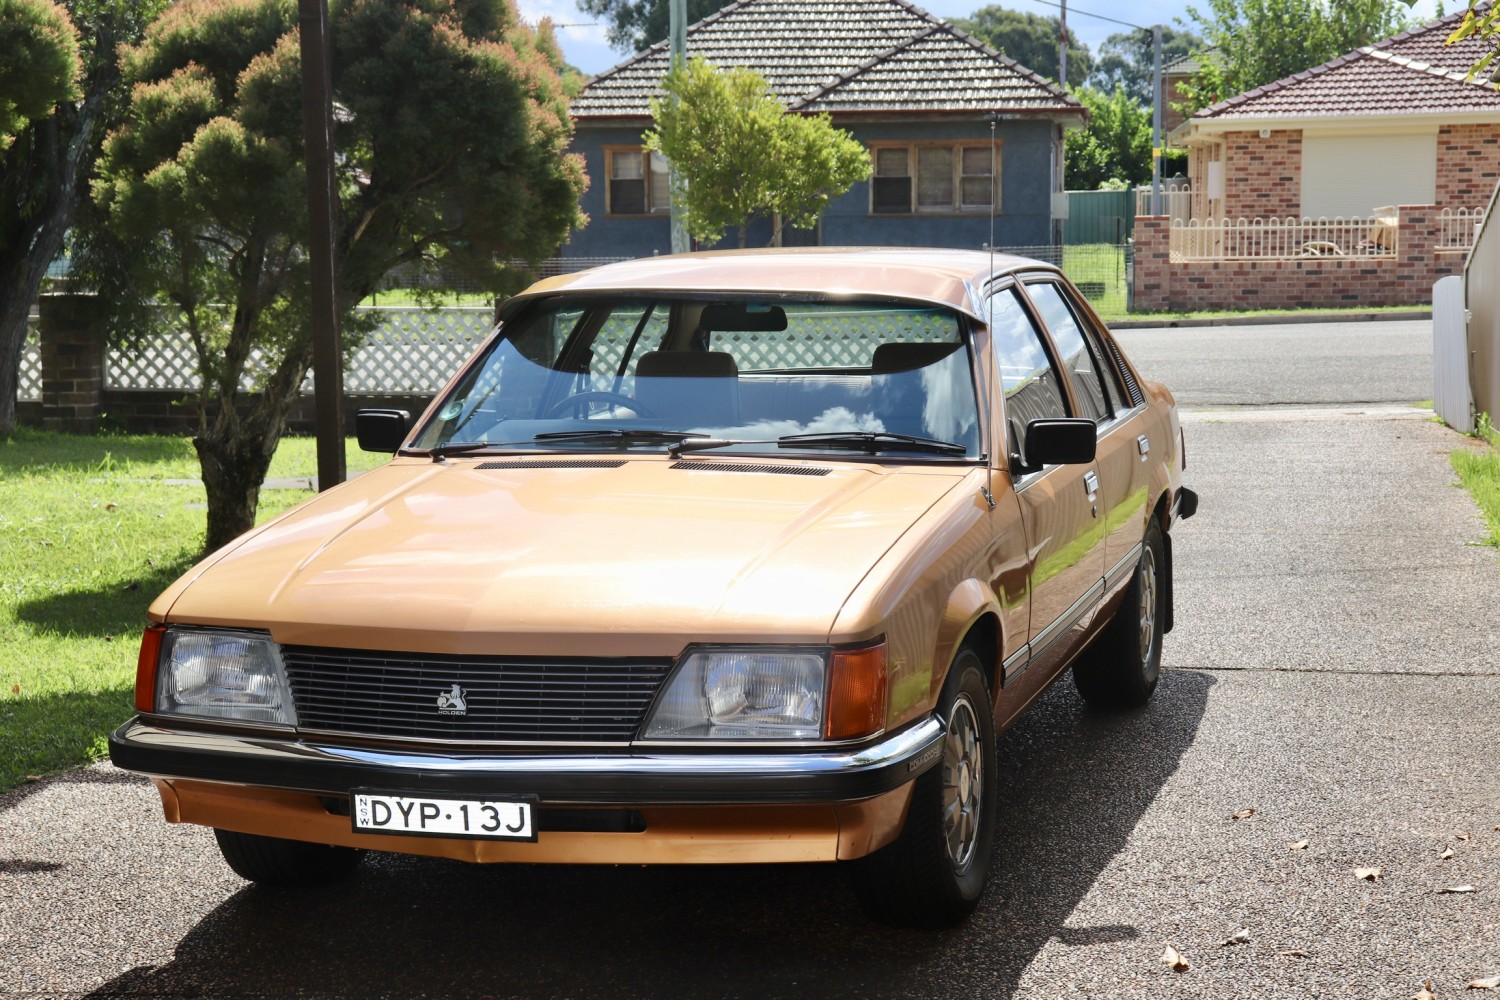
<point>1074,783</point>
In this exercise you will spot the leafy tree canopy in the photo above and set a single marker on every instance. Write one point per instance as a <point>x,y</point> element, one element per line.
<point>41,65</point>
<point>1261,41</point>
<point>1029,39</point>
<point>451,130</point>
<point>1480,22</point>
<point>1126,60</point>
<point>638,24</point>
<point>740,154</point>
<point>1114,147</point>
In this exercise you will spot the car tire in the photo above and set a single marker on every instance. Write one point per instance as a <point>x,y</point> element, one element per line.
<point>285,863</point>
<point>934,872</point>
<point>1122,665</point>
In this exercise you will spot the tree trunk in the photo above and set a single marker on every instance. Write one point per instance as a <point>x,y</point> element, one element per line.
<point>233,470</point>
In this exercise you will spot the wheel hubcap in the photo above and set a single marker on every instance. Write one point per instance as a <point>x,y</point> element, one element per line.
<point>963,783</point>
<point>1147,588</point>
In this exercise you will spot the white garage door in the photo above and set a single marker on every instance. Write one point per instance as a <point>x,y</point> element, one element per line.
<point>1352,175</point>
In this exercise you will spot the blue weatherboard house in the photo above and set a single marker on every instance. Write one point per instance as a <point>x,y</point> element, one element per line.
<point>919,93</point>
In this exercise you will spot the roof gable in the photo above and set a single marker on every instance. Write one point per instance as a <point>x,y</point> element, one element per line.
<point>1413,73</point>
<point>839,56</point>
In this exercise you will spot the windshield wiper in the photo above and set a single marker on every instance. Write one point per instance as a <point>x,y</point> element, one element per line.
<point>442,451</point>
<point>872,442</point>
<point>621,436</point>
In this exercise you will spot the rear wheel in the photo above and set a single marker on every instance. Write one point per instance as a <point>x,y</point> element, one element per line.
<point>933,874</point>
<point>1121,666</point>
<point>288,863</point>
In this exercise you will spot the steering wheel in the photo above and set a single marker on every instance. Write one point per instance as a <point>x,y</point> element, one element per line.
<point>597,396</point>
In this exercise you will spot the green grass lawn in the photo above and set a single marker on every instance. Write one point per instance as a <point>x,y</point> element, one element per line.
<point>1479,472</point>
<point>89,535</point>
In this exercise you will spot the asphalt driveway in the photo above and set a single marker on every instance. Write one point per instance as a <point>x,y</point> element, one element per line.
<point>1333,670</point>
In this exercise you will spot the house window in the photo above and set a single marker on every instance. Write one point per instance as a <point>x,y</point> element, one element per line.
<point>949,178</point>
<point>638,182</point>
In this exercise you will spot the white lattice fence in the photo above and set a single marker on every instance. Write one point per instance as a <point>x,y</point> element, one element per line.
<point>29,387</point>
<point>410,350</point>
<point>832,340</point>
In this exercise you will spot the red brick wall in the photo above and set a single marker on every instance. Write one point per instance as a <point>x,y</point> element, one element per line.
<point>1468,165</point>
<point>1404,278</point>
<point>1263,177</point>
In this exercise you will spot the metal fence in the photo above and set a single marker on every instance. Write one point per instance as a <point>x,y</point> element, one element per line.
<point>1176,201</point>
<point>1225,239</point>
<point>1100,270</point>
<point>1458,227</point>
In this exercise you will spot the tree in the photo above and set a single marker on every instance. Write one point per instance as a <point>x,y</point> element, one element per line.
<point>1029,39</point>
<point>635,25</point>
<point>1261,41</point>
<point>1115,145</point>
<point>451,128</point>
<point>1126,60</point>
<point>41,67</point>
<point>1479,23</point>
<point>61,87</point>
<point>741,154</point>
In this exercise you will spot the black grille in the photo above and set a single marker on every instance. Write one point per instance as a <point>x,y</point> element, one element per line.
<point>1137,397</point>
<point>398,695</point>
<point>567,463</point>
<point>774,470</point>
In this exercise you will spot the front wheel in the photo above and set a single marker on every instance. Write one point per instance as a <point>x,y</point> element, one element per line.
<point>933,874</point>
<point>285,863</point>
<point>1120,668</point>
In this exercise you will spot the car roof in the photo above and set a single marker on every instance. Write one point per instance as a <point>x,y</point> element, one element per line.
<point>937,276</point>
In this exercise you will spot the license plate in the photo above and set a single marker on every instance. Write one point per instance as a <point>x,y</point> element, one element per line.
<point>425,816</point>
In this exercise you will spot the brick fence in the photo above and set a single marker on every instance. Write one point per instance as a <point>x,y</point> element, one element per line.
<point>76,396</point>
<point>1403,278</point>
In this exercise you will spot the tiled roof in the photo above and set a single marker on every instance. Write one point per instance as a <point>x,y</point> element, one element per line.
<point>841,56</point>
<point>1410,73</point>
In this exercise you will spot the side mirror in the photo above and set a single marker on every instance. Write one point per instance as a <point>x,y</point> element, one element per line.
<point>381,430</point>
<point>1070,441</point>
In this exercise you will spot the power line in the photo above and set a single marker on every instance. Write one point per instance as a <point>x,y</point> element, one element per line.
<point>1099,17</point>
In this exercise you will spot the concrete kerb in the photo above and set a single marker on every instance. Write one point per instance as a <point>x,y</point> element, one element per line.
<point>1275,320</point>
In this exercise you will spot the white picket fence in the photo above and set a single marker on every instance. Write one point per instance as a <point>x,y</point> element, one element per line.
<point>1458,227</point>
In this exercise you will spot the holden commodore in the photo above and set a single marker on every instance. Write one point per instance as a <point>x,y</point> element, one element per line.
<point>715,558</point>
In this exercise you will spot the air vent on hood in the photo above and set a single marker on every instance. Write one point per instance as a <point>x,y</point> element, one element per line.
<point>774,470</point>
<point>570,463</point>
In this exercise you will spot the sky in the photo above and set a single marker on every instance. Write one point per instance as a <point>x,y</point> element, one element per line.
<point>585,47</point>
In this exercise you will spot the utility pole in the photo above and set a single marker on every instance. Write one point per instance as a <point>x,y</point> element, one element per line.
<point>1062,47</point>
<point>1156,100</point>
<point>317,132</point>
<point>677,25</point>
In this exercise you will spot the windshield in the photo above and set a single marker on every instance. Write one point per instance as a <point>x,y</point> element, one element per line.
<point>643,373</point>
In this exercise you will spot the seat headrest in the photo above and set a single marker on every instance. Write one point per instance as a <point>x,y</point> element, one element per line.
<point>892,358</point>
<point>687,364</point>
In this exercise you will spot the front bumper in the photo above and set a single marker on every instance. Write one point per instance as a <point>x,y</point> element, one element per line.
<point>655,777</point>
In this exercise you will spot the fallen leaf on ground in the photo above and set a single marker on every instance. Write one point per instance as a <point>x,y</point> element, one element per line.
<point>1300,845</point>
<point>1173,960</point>
<point>1368,874</point>
<point>1293,953</point>
<point>1243,814</point>
<point>132,585</point>
<point>1463,835</point>
<point>1426,992</point>
<point>111,506</point>
<point>1447,853</point>
<point>1238,937</point>
<point>15,689</point>
<point>1457,889</point>
<point>1488,983</point>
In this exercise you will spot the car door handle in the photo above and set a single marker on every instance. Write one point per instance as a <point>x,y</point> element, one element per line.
<point>1090,484</point>
<point>1144,444</point>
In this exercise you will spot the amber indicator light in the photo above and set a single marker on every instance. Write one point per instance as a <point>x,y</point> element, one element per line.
<point>145,668</point>
<point>856,693</point>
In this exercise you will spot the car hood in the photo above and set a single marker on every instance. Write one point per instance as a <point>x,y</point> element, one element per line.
<point>537,556</point>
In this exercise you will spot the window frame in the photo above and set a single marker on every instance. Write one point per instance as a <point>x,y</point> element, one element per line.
<point>652,211</point>
<point>957,207</point>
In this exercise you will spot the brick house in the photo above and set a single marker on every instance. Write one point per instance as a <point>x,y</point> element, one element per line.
<point>916,91</point>
<point>1357,181</point>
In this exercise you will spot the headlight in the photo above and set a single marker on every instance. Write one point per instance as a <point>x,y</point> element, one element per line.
<point>765,693</point>
<point>223,675</point>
